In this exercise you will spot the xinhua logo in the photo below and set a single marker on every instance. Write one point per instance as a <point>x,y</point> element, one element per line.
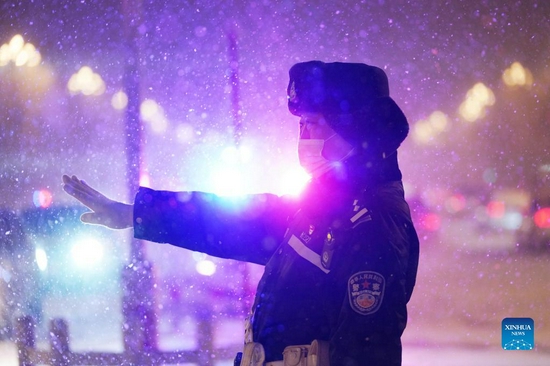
<point>518,334</point>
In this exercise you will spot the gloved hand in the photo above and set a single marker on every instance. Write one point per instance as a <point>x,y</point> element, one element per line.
<point>104,211</point>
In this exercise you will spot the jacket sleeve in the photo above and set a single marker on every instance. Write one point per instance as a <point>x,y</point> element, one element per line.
<point>370,274</point>
<point>246,228</point>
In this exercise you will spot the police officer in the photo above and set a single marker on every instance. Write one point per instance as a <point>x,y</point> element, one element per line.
<point>340,260</point>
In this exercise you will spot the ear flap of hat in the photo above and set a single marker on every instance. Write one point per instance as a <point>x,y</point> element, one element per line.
<point>378,129</point>
<point>385,126</point>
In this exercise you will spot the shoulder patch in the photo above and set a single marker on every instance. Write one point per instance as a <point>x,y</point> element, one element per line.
<point>360,215</point>
<point>366,292</point>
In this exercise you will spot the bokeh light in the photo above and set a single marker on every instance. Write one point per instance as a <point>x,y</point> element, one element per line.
<point>42,198</point>
<point>489,175</point>
<point>512,220</point>
<point>517,75</point>
<point>430,222</point>
<point>496,209</point>
<point>425,131</point>
<point>152,113</point>
<point>455,203</point>
<point>542,218</point>
<point>203,265</point>
<point>119,100</point>
<point>41,258</point>
<point>87,82</point>
<point>19,52</point>
<point>206,267</point>
<point>478,98</point>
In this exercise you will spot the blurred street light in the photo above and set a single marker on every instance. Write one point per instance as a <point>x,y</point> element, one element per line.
<point>517,75</point>
<point>87,82</point>
<point>426,130</point>
<point>477,99</point>
<point>119,100</point>
<point>19,52</point>
<point>152,113</point>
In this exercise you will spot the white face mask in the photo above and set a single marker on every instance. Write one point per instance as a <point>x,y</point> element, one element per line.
<point>311,157</point>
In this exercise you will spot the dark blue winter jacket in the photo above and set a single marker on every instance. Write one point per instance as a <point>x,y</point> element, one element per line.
<point>340,261</point>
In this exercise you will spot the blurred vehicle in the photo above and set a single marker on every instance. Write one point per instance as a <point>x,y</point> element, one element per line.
<point>71,257</point>
<point>481,220</point>
<point>534,234</point>
<point>507,209</point>
<point>498,217</point>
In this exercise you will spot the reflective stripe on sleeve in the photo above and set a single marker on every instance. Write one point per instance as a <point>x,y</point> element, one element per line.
<point>306,253</point>
<point>358,215</point>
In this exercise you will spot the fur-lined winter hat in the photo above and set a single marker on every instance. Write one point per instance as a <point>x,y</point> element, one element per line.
<point>355,100</point>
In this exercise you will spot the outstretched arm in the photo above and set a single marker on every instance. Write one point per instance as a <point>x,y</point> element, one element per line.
<point>103,211</point>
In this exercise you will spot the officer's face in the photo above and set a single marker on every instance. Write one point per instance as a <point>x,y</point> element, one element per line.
<point>314,126</point>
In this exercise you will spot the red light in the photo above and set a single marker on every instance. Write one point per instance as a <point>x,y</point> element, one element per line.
<point>431,222</point>
<point>542,218</point>
<point>496,209</point>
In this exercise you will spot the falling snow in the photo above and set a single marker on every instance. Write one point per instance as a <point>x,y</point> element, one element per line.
<point>472,77</point>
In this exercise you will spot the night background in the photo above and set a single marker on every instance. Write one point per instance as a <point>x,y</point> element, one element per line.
<point>473,78</point>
